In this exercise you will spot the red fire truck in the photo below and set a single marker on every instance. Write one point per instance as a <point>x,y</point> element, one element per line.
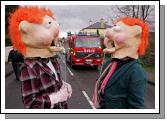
<point>84,49</point>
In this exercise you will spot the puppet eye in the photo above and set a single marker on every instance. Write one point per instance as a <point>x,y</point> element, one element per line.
<point>117,28</point>
<point>48,24</point>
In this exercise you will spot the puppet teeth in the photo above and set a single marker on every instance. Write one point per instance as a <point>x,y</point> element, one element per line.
<point>56,49</point>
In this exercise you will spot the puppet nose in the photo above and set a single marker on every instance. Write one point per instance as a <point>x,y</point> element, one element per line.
<point>56,27</point>
<point>56,24</point>
<point>56,33</point>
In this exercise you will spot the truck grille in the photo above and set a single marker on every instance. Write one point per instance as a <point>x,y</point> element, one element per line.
<point>83,55</point>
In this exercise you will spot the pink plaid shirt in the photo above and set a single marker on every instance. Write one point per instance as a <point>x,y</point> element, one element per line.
<point>38,81</point>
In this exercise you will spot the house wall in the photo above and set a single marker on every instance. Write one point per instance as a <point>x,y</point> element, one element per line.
<point>101,31</point>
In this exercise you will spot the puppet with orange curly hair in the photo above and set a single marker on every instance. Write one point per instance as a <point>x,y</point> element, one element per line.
<point>123,81</point>
<point>32,31</point>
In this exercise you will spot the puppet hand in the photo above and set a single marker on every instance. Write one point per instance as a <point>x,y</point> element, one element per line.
<point>63,50</point>
<point>69,89</point>
<point>108,50</point>
<point>60,96</point>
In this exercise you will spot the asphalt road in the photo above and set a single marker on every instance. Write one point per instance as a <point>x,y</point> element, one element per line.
<point>82,80</point>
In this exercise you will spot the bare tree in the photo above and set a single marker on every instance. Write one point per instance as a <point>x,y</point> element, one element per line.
<point>138,11</point>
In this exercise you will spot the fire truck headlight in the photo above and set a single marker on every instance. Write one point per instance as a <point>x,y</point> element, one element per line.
<point>98,60</point>
<point>77,60</point>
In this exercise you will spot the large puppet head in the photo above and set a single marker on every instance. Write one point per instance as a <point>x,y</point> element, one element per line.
<point>127,38</point>
<point>32,31</point>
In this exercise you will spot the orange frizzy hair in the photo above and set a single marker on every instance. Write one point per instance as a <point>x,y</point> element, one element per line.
<point>145,32</point>
<point>32,14</point>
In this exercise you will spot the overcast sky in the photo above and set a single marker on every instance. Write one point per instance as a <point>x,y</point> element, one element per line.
<point>75,17</point>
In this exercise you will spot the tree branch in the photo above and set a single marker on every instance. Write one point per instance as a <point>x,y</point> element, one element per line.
<point>137,15</point>
<point>122,11</point>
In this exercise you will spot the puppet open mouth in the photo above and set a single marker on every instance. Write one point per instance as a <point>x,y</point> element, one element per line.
<point>113,44</point>
<point>52,44</point>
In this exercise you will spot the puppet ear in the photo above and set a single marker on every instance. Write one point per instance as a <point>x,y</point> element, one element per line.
<point>24,26</point>
<point>137,30</point>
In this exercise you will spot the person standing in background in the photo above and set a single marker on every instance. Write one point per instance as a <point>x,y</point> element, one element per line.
<point>16,59</point>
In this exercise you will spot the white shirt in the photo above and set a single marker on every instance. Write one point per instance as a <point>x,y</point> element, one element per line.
<point>50,65</point>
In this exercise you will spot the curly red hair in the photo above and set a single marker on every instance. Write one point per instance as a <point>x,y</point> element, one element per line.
<point>145,31</point>
<point>32,14</point>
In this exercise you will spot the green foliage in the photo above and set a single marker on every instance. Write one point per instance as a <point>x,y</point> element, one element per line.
<point>8,9</point>
<point>150,68</point>
<point>149,58</point>
<point>7,41</point>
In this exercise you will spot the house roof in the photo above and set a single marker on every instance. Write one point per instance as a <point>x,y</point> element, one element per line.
<point>97,25</point>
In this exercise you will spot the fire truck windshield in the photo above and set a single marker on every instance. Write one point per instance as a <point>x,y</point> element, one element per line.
<point>88,42</point>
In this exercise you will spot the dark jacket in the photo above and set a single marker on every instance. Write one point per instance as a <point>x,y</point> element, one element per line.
<point>126,88</point>
<point>15,57</point>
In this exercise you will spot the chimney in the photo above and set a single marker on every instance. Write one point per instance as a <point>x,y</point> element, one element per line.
<point>102,22</point>
<point>90,22</point>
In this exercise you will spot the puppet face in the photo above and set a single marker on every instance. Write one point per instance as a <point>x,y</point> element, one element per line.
<point>122,34</point>
<point>39,35</point>
<point>123,37</point>
<point>33,30</point>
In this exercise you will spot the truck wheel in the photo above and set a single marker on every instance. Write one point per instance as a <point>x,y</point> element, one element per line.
<point>96,67</point>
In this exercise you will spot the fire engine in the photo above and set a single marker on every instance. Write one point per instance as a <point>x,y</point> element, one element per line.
<point>84,49</point>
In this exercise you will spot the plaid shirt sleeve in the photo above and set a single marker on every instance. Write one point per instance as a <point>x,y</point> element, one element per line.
<point>31,95</point>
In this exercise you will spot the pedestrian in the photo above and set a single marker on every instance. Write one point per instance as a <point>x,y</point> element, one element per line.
<point>123,80</point>
<point>32,31</point>
<point>16,59</point>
